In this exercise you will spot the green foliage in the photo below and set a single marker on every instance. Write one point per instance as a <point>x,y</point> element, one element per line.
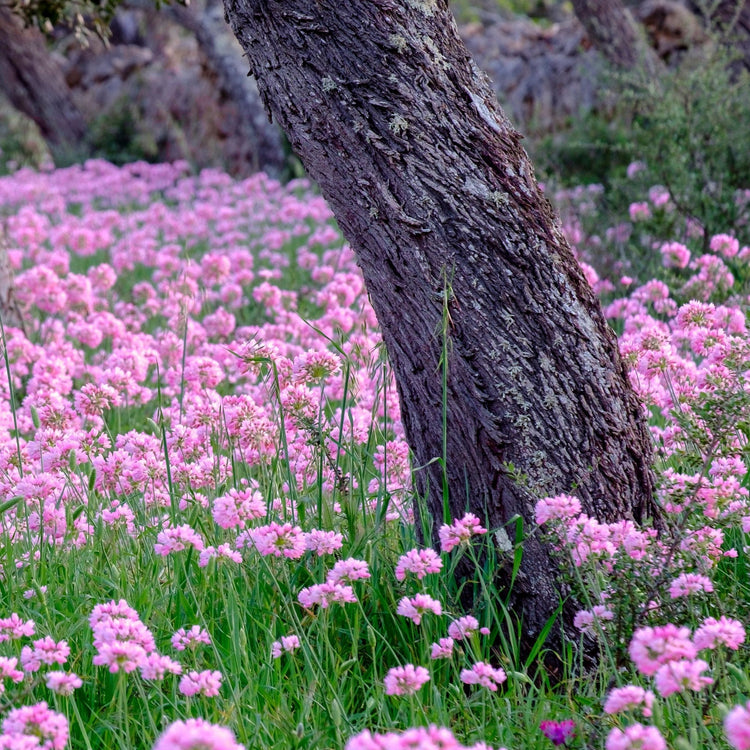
<point>21,144</point>
<point>118,137</point>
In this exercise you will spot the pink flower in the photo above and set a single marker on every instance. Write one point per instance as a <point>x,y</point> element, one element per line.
<point>346,571</point>
<point>205,683</point>
<point>652,647</point>
<point>156,667</point>
<point>725,245</point>
<point>483,674</point>
<point>325,594</point>
<point>713,633</point>
<point>463,627</point>
<point>557,508</point>
<point>559,732</point>
<point>50,727</point>
<point>191,639</point>
<point>222,552</point>
<point>8,671</point>
<point>419,605</point>
<point>279,540</point>
<point>636,737</point>
<point>629,697</point>
<point>405,680</point>
<point>459,532</point>
<point>421,562</point>
<point>177,539</point>
<point>45,651</point>
<point>417,738</point>
<point>63,683</point>
<point>324,542</point>
<point>639,211</point>
<point>690,583</point>
<point>443,649</point>
<point>737,727</point>
<point>677,676</point>
<point>288,644</point>
<point>675,255</point>
<point>196,734</point>
<point>237,507</point>
<point>14,627</point>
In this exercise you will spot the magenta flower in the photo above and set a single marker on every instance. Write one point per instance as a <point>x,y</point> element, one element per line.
<point>724,631</point>
<point>191,638</point>
<point>197,734</point>
<point>14,627</point>
<point>325,594</point>
<point>346,571</point>
<point>557,508</point>
<point>287,643</point>
<point>8,671</point>
<point>627,698</point>
<point>405,680</point>
<point>678,676</point>
<point>558,732</point>
<point>156,667</point>
<point>443,649</point>
<point>652,647</point>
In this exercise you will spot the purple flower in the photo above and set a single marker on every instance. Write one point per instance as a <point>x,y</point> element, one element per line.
<point>559,732</point>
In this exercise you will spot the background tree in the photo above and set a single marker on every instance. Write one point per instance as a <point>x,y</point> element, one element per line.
<point>510,380</point>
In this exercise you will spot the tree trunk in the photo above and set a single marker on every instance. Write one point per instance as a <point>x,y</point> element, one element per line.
<point>432,188</point>
<point>35,85</point>
<point>615,33</point>
<point>10,312</point>
<point>221,53</point>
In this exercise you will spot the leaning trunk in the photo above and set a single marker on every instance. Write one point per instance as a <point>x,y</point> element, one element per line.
<point>35,85</point>
<point>465,264</point>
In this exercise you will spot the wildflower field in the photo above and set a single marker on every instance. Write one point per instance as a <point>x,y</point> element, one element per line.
<point>206,510</point>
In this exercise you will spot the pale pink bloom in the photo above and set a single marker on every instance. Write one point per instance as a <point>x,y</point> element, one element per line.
<point>311,367</point>
<point>421,562</point>
<point>222,552</point>
<point>677,676</point>
<point>417,606</point>
<point>639,211</point>
<point>725,245</point>
<point>196,734</point>
<point>724,631</point>
<point>346,571</point>
<point>288,643</point>
<point>120,655</point>
<point>325,594</point>
<point>459,532</point>
<point>417,738</point>
<point>177,539</point>
<point>323,542</point>
<point>19,742</point>
<point>63,683</point>
<point>405,680</point>
<point>156,667</point>
<point>45,651</point>
<point>483,674</point>
<point>191,639</point>
<point>652,647</point>
<point>279,540</point>
<point>584,619</point>
<point>629,697</point>
<point>205,683</point>
<point>50,727</point>
<point>690,583</point>
<point>737,727</point>
<point>443,649</point>
<point>8,671</point>
<point>463,627</point>
<point>237,507</point>
<point>14,627</point>
<point>557,508</point>
<point>636,737</point>
<point>675,255</point>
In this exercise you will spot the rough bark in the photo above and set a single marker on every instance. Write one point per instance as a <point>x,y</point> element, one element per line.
<point>432,188</point>
<point>218,47</point>
<point>35,85</point>
<point>10,312</point>
<point>614,32</point>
